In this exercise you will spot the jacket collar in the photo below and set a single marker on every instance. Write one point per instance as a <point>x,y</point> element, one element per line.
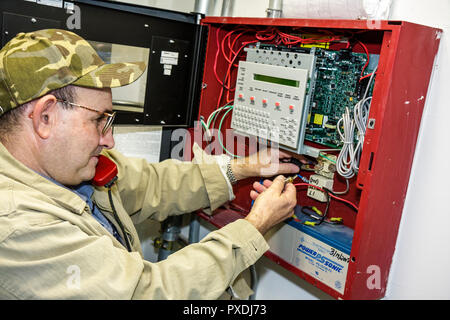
<point>16,171</point>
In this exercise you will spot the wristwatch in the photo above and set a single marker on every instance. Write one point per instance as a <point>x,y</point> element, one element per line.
<point>230,174</point>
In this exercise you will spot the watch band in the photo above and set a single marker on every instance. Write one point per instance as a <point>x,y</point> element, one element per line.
<point>230,174</point>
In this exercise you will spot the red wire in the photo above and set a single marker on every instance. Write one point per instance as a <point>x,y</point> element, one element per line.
<point>330,194</point>
<point>226,82</point>
<point>366,76</point>
<point>217,57</point>
<point>231,61</point>
<point>227,75</point>
<point>368,58</point>
<point>228,36</point>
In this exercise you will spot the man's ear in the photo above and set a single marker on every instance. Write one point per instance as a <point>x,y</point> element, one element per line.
<point>44,115</point>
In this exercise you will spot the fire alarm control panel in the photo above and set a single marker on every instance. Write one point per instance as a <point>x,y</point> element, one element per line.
<point>330,91</point>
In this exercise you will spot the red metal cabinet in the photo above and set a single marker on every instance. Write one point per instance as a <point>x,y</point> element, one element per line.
<point>407,53</point>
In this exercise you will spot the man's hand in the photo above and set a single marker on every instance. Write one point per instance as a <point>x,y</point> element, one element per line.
<point>265,163</point>
<point>273,204</point>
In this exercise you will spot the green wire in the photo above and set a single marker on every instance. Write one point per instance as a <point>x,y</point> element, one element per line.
<point>204,125</point>
<point>327,158</point>
<point>220,140</point>
<point>216,111</point>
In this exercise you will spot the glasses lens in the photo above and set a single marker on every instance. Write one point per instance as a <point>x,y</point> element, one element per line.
<point>109,123</point>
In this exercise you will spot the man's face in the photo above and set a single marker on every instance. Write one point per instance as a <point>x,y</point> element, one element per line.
<point>78,138</point>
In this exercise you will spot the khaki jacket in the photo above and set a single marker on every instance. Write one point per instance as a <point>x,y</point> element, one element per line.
<point>51,247</point>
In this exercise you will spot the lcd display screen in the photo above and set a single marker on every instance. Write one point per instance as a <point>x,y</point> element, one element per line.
<point>282,81</point>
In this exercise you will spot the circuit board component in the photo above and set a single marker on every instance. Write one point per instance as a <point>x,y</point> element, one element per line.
<point>337,87</point>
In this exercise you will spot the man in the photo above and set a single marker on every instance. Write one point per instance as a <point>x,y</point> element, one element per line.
<point>59,237</point>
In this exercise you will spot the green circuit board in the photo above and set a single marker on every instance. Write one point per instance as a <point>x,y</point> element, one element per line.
<point>337,87</point>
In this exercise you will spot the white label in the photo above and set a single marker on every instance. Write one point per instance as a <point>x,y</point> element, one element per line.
<point>52,3</point>
<point>173,61</point>
<point>169,58</point>
<point>169,54</point>
<point>69,6</point>
<point>321,261</point>
<point>167,72</point>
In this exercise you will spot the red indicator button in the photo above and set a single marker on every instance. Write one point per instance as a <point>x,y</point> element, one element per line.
<point>291,107</point>
<point>277,104</point>
<point>264,101</point>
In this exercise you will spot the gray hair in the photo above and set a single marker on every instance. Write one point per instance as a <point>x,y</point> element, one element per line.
<point>10,121</point>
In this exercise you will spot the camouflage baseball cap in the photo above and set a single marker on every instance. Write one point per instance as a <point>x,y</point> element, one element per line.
<point>32,64</point>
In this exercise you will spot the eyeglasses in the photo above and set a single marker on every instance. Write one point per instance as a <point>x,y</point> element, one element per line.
<point>109,116</point>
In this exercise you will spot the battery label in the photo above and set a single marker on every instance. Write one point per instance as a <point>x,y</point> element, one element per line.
<point>321,261</point>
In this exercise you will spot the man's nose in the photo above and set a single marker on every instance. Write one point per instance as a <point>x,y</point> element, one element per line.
<point>107,139</point>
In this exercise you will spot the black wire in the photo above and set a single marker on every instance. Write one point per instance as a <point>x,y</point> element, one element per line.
<point>310,214</point>
<point>127,241</point>
<point>322,217</point>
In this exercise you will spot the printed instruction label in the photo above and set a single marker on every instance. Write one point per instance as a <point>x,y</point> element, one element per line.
<point>169,57</point>
<point>321,261</point>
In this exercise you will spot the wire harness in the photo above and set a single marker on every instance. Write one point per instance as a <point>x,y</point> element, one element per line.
<point>347,164</point>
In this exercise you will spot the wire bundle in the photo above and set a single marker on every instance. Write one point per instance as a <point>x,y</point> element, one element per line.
<point>348,160</point>
<point>360,116</point>
<point>330,194</point>
<point>344,163</point>
<point>211,119</point>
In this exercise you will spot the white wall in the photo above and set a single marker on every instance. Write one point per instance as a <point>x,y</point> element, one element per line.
<point>422,256</point>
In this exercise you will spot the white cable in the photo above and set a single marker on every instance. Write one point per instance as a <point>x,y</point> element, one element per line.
<point>214,114</point>
<point>205,127</point>
<point>346,189</point>
<point>347,163</point>
<point>361,116</point>
<point>344,163</point>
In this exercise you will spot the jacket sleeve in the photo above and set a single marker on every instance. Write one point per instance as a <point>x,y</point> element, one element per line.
<point>63,262</point>
<point>168,188</point>
<point>205,269</point>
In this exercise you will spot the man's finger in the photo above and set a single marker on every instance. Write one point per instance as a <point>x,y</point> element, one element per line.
<point>254,194</point>
<point>267,183</point>
<point>288,168</point>
<point>284,155</point>
<point>290,192</point>
<point>259,187</point>
<point>278,184</point>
